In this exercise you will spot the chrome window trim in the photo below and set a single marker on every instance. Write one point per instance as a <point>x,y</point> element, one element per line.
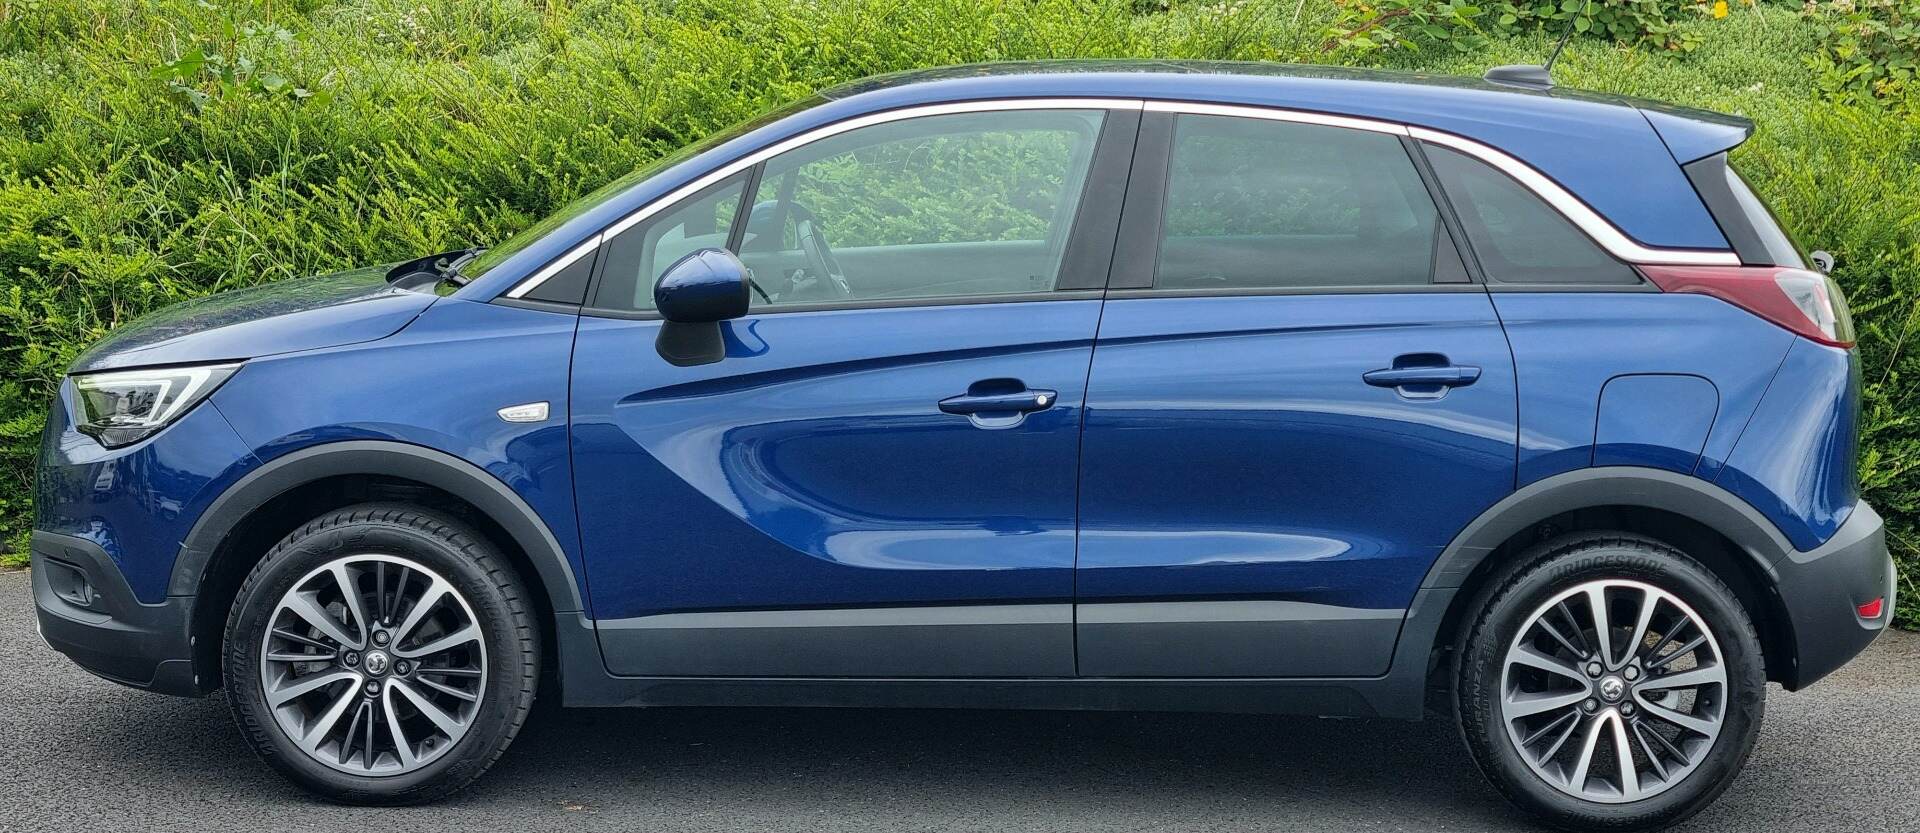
<point>855,123</point>
<point>641,214</point>
<point>556,266</point>
<point>1194,108</point>
<point>1603,232</point>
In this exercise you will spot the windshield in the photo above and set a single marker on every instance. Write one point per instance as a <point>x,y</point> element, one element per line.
<point>499,254</point>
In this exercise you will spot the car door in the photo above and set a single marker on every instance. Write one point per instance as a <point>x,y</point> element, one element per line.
<point>1297,398</point>
<point>877,479</point>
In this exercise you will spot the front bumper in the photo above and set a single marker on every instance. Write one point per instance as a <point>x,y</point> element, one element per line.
<point>87,612</point>
<point>1822,590</point>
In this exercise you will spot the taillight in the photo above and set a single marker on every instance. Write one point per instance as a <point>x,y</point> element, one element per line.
<point>1800,300</point>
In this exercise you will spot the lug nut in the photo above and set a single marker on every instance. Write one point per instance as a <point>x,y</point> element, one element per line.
<point>1591,705</point>
<point>352,658</point>
<point>1594,669</point>
<point>380,637</point>
<point>1626,709</point>
<point>403,667</point>
<point>1633,672</point>
<point>373,687</point>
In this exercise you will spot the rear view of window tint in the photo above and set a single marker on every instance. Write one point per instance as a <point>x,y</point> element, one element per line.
<point>1519,238</point>
<point>1260,204</point>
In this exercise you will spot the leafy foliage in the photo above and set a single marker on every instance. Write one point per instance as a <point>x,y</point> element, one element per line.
<point>1869,51</point>
<point>157,150</point>
<point>1463,25</point>
<point>1367,25</point>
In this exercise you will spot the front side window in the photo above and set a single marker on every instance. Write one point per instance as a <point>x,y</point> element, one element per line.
<point>600,196</point>
<point>932,207</point>
<point>1261,204</point>
<point>638,256</point>
<point>1517,236</point>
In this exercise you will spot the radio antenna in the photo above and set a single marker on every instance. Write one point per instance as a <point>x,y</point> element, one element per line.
<point>1564,35</point>
<point>1529,76</point>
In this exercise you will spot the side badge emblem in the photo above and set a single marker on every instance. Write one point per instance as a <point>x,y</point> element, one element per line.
<point>530,412</point>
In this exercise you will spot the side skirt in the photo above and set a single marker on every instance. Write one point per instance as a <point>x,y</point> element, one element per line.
<point>1400,693</point>
<point>1025,640</point>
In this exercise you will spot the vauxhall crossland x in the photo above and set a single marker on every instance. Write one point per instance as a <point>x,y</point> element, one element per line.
<point>1068,386</point>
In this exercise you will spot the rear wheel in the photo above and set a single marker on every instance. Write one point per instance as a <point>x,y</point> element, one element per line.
<point>1611,682</point>
<point>381,655</point>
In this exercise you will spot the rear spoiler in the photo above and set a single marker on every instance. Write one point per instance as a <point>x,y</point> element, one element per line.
<point>1696,134</point>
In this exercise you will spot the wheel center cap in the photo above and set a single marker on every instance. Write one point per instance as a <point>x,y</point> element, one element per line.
<point>1611,689</point>
<point>377,662</point>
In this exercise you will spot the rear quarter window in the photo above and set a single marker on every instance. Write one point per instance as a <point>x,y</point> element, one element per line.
<point>1781,250</point>
<point>1517,236</point>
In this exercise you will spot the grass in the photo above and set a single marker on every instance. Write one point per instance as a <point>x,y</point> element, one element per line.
<point>156,150</point>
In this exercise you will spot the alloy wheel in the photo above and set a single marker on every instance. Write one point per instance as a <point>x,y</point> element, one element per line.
<point>373,665</point>
<point>1613,691</point>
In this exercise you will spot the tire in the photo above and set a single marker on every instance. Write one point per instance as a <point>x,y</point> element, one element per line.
<point>1709,728</point>
<point>441,717</point>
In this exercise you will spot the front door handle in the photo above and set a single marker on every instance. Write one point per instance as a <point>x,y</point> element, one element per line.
<point>999,403</point>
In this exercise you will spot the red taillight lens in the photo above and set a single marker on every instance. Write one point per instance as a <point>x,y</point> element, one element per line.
<point>1800,300</point>
<point>1871,610</point>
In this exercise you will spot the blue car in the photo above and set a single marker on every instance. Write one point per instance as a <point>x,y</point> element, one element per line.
<point>1148,386</point>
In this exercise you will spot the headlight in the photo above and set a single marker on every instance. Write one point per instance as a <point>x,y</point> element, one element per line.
<point>125,406</point>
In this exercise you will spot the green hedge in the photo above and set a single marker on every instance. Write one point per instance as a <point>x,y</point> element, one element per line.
<point>157,150</point>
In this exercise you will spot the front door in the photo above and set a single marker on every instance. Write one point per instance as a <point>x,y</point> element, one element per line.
<point>878,479</point>
<point>1297,398</point>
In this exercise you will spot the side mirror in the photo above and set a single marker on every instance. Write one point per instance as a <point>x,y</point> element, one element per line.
<point>694,295</point>
<point>706,286</point>
<point>1823,261</point>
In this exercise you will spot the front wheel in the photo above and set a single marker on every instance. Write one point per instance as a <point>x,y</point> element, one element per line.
<point>1611,683</point>
<point>381,655</point>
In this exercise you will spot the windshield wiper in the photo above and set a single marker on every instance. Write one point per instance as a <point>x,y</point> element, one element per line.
<point>449,265</point>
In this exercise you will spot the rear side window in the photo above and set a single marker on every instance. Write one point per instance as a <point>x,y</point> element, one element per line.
<point>1255,203</point>
<point>1517,236</point>
<point>1781,250</point>
<point>1750,227</point>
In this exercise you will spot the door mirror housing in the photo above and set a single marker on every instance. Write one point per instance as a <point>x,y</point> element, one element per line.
<point>704,287</point>
<point>694,295</point>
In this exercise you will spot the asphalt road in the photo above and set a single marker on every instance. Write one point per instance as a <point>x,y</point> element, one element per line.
<point>77,753</point>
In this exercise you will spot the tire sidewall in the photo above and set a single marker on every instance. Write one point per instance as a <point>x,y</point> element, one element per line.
<point>1618,558</point>
<point>369,532</point>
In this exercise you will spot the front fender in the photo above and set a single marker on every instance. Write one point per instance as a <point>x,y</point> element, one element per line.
<point>380,457</point>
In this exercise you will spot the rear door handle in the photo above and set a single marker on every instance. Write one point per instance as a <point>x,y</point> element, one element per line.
<point>1454,376</point>
<point>1423,376</point>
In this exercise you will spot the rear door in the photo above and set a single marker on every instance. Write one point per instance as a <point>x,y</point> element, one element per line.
<point>1297,398</point>
<point>878,477</point>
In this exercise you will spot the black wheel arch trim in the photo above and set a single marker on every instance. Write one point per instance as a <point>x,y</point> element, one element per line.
<point>1681,494</point>
<point>1819,633</point>
<point>438,469</point>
